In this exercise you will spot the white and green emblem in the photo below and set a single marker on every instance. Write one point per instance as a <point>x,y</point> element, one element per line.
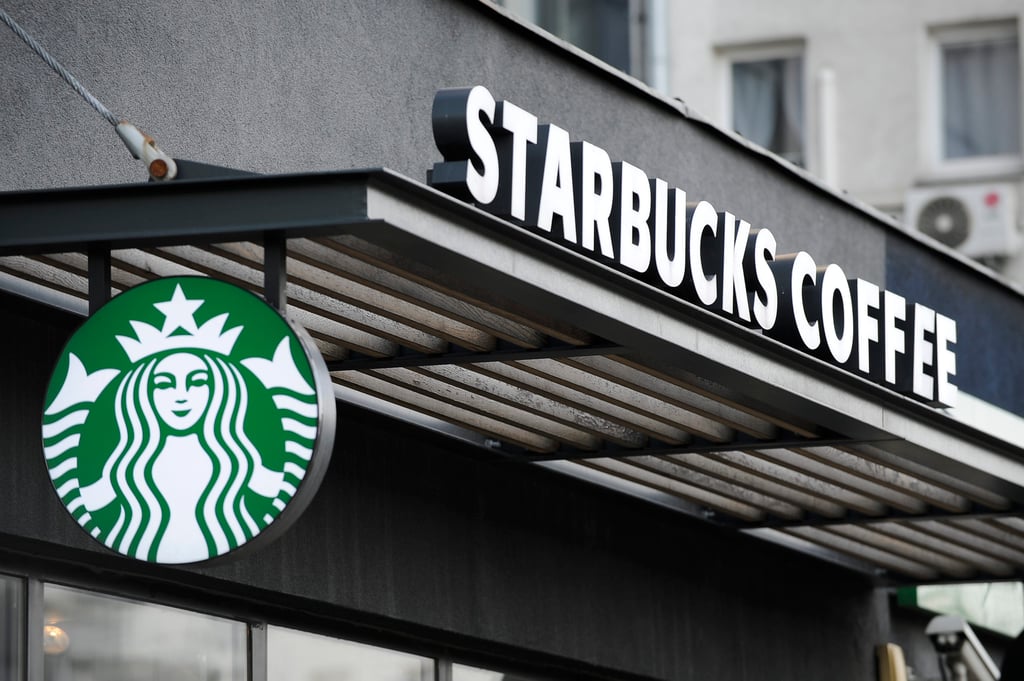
<point>185,419</point>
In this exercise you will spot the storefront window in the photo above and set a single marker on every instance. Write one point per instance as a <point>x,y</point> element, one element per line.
<point>11,618</point>
<point>299,656</point>
<point>998,606</point>
<point>88,637</point>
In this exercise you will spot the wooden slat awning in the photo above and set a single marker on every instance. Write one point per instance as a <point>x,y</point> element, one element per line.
<point>431,309</point>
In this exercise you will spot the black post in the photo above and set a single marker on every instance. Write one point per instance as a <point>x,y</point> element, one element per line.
<point>275,273</point>
<point>99,276</point>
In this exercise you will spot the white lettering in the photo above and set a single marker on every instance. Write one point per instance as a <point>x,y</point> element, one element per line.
<point>703,220</point>
<point>945,360</point>
<point>868,297</point>
<point>556,193</point>
<point>634,210</point>
<point>596,198</point>
<point>894,340</point>
<point>522,125</point>
<point>833,282</point>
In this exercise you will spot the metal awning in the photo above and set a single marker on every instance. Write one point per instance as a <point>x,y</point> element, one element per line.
<point>430,309</point>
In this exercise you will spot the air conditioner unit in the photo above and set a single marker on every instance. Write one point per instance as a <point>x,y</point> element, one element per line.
<point>976,219</point>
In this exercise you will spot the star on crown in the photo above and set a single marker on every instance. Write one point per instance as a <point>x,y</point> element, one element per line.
<point>179,313</point>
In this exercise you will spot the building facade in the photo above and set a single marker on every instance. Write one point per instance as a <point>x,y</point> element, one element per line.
<point>903,106</point>
<point>557,454</point>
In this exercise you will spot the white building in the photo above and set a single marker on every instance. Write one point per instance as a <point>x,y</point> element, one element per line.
<point>905,105</point>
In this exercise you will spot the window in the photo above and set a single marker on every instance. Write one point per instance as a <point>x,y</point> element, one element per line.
<point>89,636</point>
<point>998,606</point>
<point>461,672</point>
<point>767,104</point>
<point>980,97</point>
<point>611,30</point>
<point>298,656</point>
<point>977,92</point>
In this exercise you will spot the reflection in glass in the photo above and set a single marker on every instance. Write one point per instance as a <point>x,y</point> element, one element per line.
<point>88,637</point>
<point>461,672</point>
<point>11,618</point>
<point>299,656</point>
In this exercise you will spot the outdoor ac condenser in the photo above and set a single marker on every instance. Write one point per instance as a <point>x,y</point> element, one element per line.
<point>976,219</point>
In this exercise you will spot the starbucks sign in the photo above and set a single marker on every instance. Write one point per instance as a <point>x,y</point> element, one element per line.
<point>185,420</point>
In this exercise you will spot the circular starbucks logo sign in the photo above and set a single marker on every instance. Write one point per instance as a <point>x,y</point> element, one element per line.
<point>185,419</point>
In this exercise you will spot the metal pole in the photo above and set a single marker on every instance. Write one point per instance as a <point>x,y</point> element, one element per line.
<point>275,273</point>
<point>99,276</point>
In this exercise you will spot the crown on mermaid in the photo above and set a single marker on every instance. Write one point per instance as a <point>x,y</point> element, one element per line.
<point>179,315</point>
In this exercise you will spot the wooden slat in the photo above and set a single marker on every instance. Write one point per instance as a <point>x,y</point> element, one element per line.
<point>336,333</point>
<point>959,486</point>
<point>299,297</point>
<point>630,418</point>
<point>441,409</point>
<point>968,539</point>
<point>728,472</point>
<point>596,386</point>
<point>489,407</point>
<point>994,532</point>
<point>869,488</point>
<point>362,297</point>
<point>825,489</point>
<point>862,551</point>
<point>714,391</point>
<point>978,561</point>
<point>888,476</point>
<point>613,369</point>
<point>328,330</point>
<point>456,286</point>
<point>521,398</point>
<point>56,278</point>
<point>324,253</point>
<point>79,264</point>
<point>869,535</point>
<point>692,493</point>
<point>330,351</point>
<point>757,498</point>
<point>1011,524</point>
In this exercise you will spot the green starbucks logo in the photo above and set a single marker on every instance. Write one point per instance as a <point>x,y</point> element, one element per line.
<point>185,419</point>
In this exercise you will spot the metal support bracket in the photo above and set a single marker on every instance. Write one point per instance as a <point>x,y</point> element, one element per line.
<point>275,271</point>
<point>99,276</point>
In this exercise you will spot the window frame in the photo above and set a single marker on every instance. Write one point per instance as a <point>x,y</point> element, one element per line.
<point>643,17</point>
<point>934,164</point>
<point>789,48</point>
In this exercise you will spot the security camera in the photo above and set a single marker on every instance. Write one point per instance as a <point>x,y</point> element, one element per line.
<point>961,655</point>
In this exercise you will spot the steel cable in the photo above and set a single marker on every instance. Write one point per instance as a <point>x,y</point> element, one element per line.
<point>59,68</point>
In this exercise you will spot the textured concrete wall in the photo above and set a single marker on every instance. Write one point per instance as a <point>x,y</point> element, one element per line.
<point>326,85</point>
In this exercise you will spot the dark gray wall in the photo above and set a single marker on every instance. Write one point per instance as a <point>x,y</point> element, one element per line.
<point>416,536</point>
<point>990,320</point>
